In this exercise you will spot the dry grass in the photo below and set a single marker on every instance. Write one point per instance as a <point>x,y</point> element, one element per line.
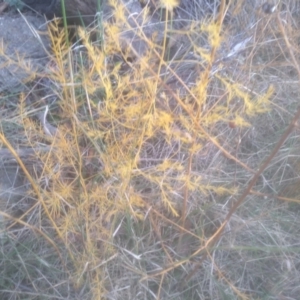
<point>161,180</point>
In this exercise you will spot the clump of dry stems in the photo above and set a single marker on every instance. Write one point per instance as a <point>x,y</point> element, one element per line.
<point>167,177</point>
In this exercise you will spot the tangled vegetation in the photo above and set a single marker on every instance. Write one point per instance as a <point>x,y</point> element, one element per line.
<point>167,165</point>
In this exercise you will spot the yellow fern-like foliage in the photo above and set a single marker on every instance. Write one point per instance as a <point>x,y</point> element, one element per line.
<point>128,139</point>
